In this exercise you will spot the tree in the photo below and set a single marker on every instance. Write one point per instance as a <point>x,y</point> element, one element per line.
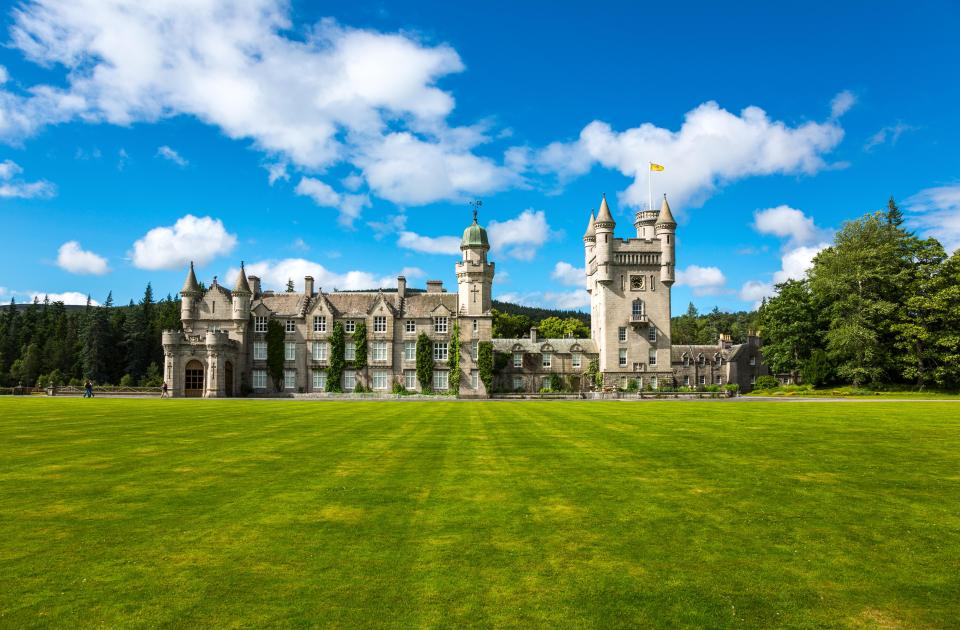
<point>425,363</point>
<point>453,360</point>
<point>506,326</point>
<point>337,362</point>
<point>790,327</point>
<point>96,341</point>
<point>817,369</point>
<point>290,285</point>
<point>276,338</point>
<point>920,322</point>
<point>485,364</point>
<point>557,328</point>
<point>893,215</point>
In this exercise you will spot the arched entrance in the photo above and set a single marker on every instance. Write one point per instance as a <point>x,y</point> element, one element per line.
<point>228,379</point>
<point>193,379</point>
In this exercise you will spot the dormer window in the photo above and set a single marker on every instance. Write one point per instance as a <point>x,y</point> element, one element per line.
<point>260,324</point>
<point>291,326</point>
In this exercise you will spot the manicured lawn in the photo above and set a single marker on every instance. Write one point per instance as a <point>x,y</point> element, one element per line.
<point>250,513</point>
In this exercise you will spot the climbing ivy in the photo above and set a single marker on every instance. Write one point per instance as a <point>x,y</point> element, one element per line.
<point>485,364</point>
<point>335,371</point>
<point>275,352</point>
<point>453,360</point>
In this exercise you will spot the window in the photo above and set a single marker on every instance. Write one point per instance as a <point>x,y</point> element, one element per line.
<point>319,350</point>
<point>439,350</point>
<point>259,379</point>
<point>349,326</point>
<point>349,380</point>
<point>410,326</point>
<point>440,324</point>
<point>259,324</point>
<point>474,379</point>
<point>719,380</point>
<point>623,357</point>
<point>409,350</point>
<point>349,351</point>
<point>622,334</point>
<point>753,380</point>
<point>700,360</point>
<point>686,380</point>
<point>380,351</point>
<point>637,309</point>
<point>410,379</point>
<point>289,351</point>
<point>440,380</point>
<point>577,360</point>
<point>474,350</point>
<point>320,323</point>
<point>476,326</point>
<point>291,326</point>
<point>517,359</point>
<point>753,360</point>
<point>319,380</point>
<point>289,379</point>
<point>259,350</point>
<point>518,382</point>
<point>379,379</point>
<point>380,324</point>
<point>686,361</point>
<point>652,333</point>
<point>547,359</point>
<point>653,382</point>
<point>652,360</point>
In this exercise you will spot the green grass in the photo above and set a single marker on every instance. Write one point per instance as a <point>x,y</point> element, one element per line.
<point>847,391</point>
<point>123,513</point>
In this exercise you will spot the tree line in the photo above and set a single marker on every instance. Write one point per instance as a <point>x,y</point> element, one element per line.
<point>879,307</point>
<point>46,342</point>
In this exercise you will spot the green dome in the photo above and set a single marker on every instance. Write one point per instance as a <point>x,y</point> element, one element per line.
<point>474,236</point>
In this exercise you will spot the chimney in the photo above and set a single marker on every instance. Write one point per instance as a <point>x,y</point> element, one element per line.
<point>308,285</point>
<point>533,334</point>
<point>434,286</point>
<point>401,287</point>
<point>254,286</point>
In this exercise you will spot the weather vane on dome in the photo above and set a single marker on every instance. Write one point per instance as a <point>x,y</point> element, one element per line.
<point>476,206</point>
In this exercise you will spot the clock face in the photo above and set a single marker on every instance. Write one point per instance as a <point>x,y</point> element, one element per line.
<point>636,283</point>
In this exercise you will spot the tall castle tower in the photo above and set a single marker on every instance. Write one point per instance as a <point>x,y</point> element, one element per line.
<point>629,281</point>
<point>474,272</point>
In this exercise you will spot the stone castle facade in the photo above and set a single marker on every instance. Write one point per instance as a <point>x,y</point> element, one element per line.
<point>222,348</point>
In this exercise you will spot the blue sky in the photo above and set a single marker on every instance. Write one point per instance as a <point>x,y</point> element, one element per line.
<point>347,142</point>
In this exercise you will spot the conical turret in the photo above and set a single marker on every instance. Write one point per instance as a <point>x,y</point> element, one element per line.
<point>666,231</point>
<point>190,285</point>
<point>603,216</point>
<point>665,217</point>
<point>591,233</point>
<point>242,287</point>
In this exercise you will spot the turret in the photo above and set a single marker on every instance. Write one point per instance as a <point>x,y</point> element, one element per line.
<point>589,244</point>
<point>188,296</point>
<point>666,231</point>
<point>474,273</point>
<point>241,296</point>
<point>603,227</point>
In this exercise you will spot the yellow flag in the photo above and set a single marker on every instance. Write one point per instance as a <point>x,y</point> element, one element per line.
<point>655,167</point>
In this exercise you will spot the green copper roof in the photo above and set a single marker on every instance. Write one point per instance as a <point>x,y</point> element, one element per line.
<point>474,236</point>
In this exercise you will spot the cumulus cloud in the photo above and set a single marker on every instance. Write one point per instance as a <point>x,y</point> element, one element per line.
<point>171,155</point>
<point>73,258</point>
<point>68,297</point>
<point>702,280</point>
<point>712,147</point>
<point>325,196</point>
<point>333,95</point>
<point>197,239</point>
<point>789,223</point>
<point>274,274</point>
<point>13,187</point>
<point>429,244</point>
<point>568,274</point>
<point>936,212</point>
<point>519,237</point>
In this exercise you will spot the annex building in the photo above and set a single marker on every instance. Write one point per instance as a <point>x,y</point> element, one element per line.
<point>222,347</point>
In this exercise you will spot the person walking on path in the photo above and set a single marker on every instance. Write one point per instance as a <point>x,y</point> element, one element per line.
<point>163,390</point>
<point>88,390</point>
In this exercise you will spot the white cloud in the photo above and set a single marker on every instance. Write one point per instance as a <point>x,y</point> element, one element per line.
<point>300,244</point>
<point>429,244</point>
<point>702,280</point>
<point>842,103</point>
<point>786,222</point>
<point>936,212</point>
<point>197,239</point>
<point>324,96</point>
<point>794,264</point>
<point>890,133</point>
<point>68,297</point>
<point>275,273</point>
<point>169,154</point>
<point>755,290</point>
<point>75,259</point>
<point>350,206</point>
<point>10,187</point>
<point>519,237</point>
<point>713,147</point>
<point>568,274</point>
<point>566,300</point>
<point>277,171</point>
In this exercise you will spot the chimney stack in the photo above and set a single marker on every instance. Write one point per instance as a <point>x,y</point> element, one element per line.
<point>254,286</point>
<point>308,285</point>
<point>434,286</point>
<point>401,287</point>
<point>533,334</point>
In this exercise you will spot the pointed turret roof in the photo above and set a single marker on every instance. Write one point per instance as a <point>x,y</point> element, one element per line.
<point>591,233</point>
<point>242,286</point>
<point>604,216</point>
<point>190,285</point>
<point>665,217</point>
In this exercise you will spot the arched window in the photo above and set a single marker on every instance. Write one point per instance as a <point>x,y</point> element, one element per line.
<point>637,311</point>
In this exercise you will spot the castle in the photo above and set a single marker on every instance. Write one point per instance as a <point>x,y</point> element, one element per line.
<point>222,349</point>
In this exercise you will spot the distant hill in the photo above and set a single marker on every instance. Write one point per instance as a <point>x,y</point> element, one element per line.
<point>537,314</point>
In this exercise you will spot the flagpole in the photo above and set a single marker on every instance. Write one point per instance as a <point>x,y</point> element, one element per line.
<point>650,186</point>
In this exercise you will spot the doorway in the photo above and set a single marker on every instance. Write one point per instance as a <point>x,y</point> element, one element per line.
<point>193,380</point>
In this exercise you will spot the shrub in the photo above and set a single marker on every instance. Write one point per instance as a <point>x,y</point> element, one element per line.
<point>817,370</point>
<point>275,354</point>
<point>767,382</point>
<point>556,382</point>
<point>399,389</point>
<point>126,381</point>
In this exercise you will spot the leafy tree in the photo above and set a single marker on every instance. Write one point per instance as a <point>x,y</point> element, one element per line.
<point>424,363</point>
<point>96,342</point>
<point>453,359</point>
<point>556,328</point>
<point>817,369</point>
<point>337,362</point>
<point>276,338</point>
<point>790,327</point>
<point>920,323</point>
<point>594,374</point>
<point>507,326</point>
<point>485,364</point>
<point>153,376</point>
